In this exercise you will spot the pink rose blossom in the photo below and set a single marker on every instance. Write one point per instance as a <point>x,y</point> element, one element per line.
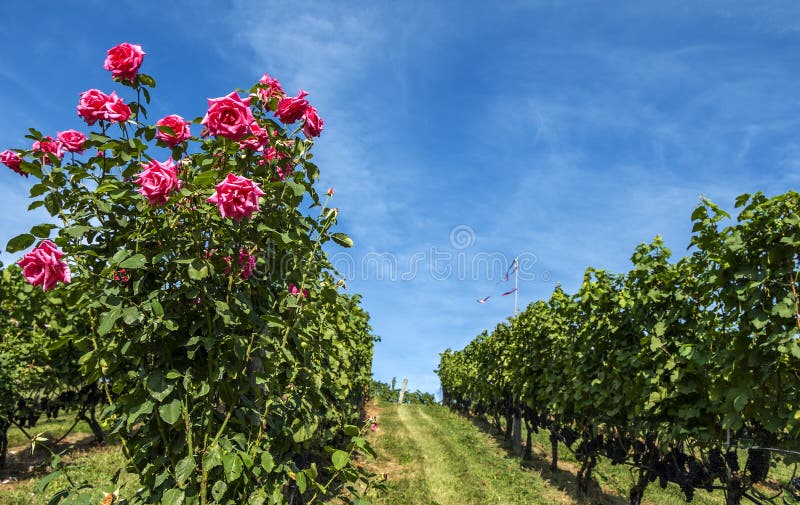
<point>43,266</point>
<point>374,427</point>
<point>290,109</point>
<point>256,141</point>
<point>13,161</point>
<point>229,116</point>
<point>273,88</point>
<point>48,146</point>
<point>72,141</point>
<point>237,197</point>
<point>294,291</point>
<point>247,263</point>
<point>281,168</point>
<point>330,192</point>
<point>158,180</point>
<point>124,61</point>
<point>178,125</point>
<point>95,105</point>
<point>312,125</point>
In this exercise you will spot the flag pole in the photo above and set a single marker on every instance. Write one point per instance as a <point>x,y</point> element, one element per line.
<point>516,284</point>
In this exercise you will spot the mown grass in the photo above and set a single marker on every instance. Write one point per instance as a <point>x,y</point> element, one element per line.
<point>435,456</point>
<point>429,456</point>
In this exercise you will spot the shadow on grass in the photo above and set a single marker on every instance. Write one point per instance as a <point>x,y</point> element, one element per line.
<point>565,479</point>
<point>22,464</point>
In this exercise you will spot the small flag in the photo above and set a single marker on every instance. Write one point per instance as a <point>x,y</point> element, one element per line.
<point>508,292</point>
<point>484,300</point>
<point>511,269</point>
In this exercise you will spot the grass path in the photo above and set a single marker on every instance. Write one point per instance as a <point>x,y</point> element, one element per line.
<point>433,457</point>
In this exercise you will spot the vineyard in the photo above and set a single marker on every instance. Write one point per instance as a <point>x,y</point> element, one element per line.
<point>181,295</point>
<point>197,257</point>
<point>686,371</point>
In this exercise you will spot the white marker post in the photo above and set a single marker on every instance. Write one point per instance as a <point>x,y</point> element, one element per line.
<point>402,391</point>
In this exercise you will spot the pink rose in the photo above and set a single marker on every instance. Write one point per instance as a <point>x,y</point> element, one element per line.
<point>124,61</point>
<point>290,109</point>
<point>294,291</point>
<point>158,180</point>
<point>312,125</point>
<point>283,173</point>
<point>13,161</point>
<point>247,263</point>
<point>237,197</point>
<point>282,169</point>
<point>94,105</point>
<point>228,116</point>
<point>330,192</point>
<point>178,125</point>
<point>72,141</point>
<point>48,146</point>
<point>43,266</point>
<point>256,141</point>
<point>273,88</point>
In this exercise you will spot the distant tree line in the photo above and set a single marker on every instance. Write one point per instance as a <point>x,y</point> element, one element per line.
<point>391,393</point>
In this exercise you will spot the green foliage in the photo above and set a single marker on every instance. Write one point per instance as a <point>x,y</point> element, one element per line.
<point>660,365</point>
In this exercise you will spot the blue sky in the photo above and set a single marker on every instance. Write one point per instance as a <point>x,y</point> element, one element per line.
<point>458,134</point>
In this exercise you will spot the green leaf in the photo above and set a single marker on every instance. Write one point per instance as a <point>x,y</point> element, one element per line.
<point>107,320</point>
<point>106,187</point>
<point>170,412</point>
<point>173,496</point>
<point>342,239</point>
<point>267,463</point>
<point>77,230</point>
<point>20,242</point>
<point>339,459</point>
<point>146,80</point>
<point>212,458</point>
<point>47,479</point>
<point>184,469</point>
<point>300,478</point>
<point>135,261</point>
<point>232,464</point>
<point>158,388</point>
<point>196,274</point>
<point>297,189</point>
<point>739,402</point>
<point>130,315</point>
<point>158,309</point>
<point>218,490</point>
<point>146,407</point>
<point>205,178</point>
<point>351,431</point>
<point>42,230</point>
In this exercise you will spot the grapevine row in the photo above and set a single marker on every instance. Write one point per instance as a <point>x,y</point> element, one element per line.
<point>669,367</point>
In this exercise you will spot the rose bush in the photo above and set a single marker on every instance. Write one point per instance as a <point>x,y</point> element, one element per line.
<point>222,385</point>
